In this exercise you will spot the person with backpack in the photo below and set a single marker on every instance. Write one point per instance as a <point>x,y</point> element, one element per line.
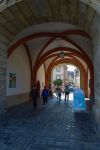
<point>66,91</point>
<point>59,93</point>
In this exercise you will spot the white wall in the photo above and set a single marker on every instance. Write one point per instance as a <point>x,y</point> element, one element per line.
<point>41,76</point>
<point>18,63</point>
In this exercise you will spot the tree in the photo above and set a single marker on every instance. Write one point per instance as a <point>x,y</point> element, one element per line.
<point>57,82</point>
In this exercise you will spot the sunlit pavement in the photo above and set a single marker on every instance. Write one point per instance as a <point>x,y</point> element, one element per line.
<point>55,127</point>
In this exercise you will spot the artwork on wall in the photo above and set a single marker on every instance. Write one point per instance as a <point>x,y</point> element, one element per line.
<point>12,80</point>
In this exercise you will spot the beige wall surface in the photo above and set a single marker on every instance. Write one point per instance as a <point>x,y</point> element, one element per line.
<point>41,77</point>
<point>18,63</point>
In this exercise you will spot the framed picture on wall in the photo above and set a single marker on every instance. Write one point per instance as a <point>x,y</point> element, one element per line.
<point>12,80</point>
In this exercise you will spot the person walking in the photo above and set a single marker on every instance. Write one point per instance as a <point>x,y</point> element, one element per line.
<point>66,91</point>
<point>50,91</point>
<point>34,95</point>
<point>45,94</point>
<point>59,93</point>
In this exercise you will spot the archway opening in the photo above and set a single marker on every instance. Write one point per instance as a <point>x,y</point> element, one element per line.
<point>65,74</point>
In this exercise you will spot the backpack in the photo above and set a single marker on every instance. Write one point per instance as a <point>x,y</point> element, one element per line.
<point>66,90</point>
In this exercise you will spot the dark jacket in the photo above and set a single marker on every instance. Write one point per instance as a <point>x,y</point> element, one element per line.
<point>34,93</point>
<point>66,90</point>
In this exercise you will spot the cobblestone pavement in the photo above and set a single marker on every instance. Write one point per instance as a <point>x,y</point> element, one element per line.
<point>55,127</point>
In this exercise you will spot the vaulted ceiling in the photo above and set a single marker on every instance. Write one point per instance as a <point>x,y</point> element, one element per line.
<point>25,13</point>
<point>17,16</point>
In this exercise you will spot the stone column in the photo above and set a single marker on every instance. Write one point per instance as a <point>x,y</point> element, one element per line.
<point>3,68</point>
<point>95,30</point>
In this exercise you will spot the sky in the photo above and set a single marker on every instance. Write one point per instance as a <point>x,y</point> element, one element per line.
<point>71,68</point>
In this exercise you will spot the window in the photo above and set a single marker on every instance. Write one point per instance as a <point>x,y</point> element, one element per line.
<point>58,69</point>
<point>12,80</point>
<point>58,77</point>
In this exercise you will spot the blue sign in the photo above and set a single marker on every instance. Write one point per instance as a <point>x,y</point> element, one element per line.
<point>79,100</point>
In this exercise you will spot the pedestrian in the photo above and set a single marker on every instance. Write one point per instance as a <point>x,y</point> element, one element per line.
<point>59,93</point>
<point>50,91</point>
<point>45,94</point>
<point>34,95</point>
<point>66,91</point>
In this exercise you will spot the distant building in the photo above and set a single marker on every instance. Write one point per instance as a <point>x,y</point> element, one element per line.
<point>77,77</point>
<point>60,72</point>
<point>71,76</point>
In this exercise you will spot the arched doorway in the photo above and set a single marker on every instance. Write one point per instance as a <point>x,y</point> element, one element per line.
<point>72,56</point>
<point>83,74</point>
<point>69,74</point>
<point>48,34</point>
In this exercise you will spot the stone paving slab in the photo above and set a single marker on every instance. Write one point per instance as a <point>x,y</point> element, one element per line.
<point>55,127</point>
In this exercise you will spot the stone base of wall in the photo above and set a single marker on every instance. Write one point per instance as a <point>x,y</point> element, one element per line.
<point>2,106</point>
<point>96,111</point>
<point>17,99</point>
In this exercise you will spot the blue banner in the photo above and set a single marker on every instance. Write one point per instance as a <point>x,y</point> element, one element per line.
<point>79,100</point>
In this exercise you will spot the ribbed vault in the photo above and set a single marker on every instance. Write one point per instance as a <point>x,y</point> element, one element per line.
<point>18,15</point>
<point>48,27</point>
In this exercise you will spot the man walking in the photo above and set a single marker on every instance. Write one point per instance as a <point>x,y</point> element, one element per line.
<point>45,94</point>
<point>34,94</point>
<point>66,91</point>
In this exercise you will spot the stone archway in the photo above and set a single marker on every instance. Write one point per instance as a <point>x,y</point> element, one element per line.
<point>73,52</point>
<point>84,83</point>
<point>15,20</point>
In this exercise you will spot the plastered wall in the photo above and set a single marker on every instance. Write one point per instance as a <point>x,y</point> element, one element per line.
<point>18,63</point>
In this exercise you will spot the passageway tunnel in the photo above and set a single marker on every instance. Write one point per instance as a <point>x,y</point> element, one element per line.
<point>34,33</point>
<point>48,56</point>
